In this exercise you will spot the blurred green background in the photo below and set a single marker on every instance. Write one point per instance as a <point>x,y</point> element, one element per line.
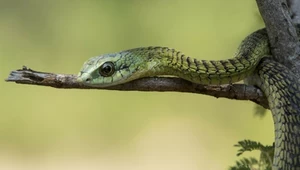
<point>47,128</point>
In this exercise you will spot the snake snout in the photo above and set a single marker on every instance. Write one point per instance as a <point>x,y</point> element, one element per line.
<point>84,78</point>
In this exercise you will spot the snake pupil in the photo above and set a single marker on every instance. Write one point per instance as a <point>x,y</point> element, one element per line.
<point>107,69</point>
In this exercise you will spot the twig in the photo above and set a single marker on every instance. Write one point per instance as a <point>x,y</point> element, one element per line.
<point>161,84</point>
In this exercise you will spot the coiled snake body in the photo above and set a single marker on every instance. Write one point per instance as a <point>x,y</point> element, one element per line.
<point>278,83</point>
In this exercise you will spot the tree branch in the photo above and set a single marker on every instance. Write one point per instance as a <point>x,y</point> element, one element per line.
<point>282,33</point>
<point>162,84</point>
<point>283,39</point>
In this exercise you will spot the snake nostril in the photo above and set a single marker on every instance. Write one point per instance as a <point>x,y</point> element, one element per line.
<point>88,80</point>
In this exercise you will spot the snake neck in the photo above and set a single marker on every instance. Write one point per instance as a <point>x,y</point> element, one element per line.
<point>166,61</point>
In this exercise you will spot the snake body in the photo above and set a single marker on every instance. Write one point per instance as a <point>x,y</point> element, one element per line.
<point>279,84</point>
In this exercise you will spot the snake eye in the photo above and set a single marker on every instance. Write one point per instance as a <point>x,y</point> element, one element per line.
<point>107,69</point>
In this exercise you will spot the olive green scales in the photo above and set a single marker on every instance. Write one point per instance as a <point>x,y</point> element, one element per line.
<point>251,62</point>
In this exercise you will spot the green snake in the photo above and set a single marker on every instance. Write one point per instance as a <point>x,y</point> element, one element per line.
<point>250,62</point>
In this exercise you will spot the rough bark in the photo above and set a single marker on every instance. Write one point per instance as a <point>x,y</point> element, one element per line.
<point>281,31</point>
<point>294,6</point>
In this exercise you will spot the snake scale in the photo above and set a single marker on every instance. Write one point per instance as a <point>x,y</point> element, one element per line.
<point>250,62</point>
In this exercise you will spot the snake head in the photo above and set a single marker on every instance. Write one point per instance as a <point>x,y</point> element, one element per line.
<point>110,69</point>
